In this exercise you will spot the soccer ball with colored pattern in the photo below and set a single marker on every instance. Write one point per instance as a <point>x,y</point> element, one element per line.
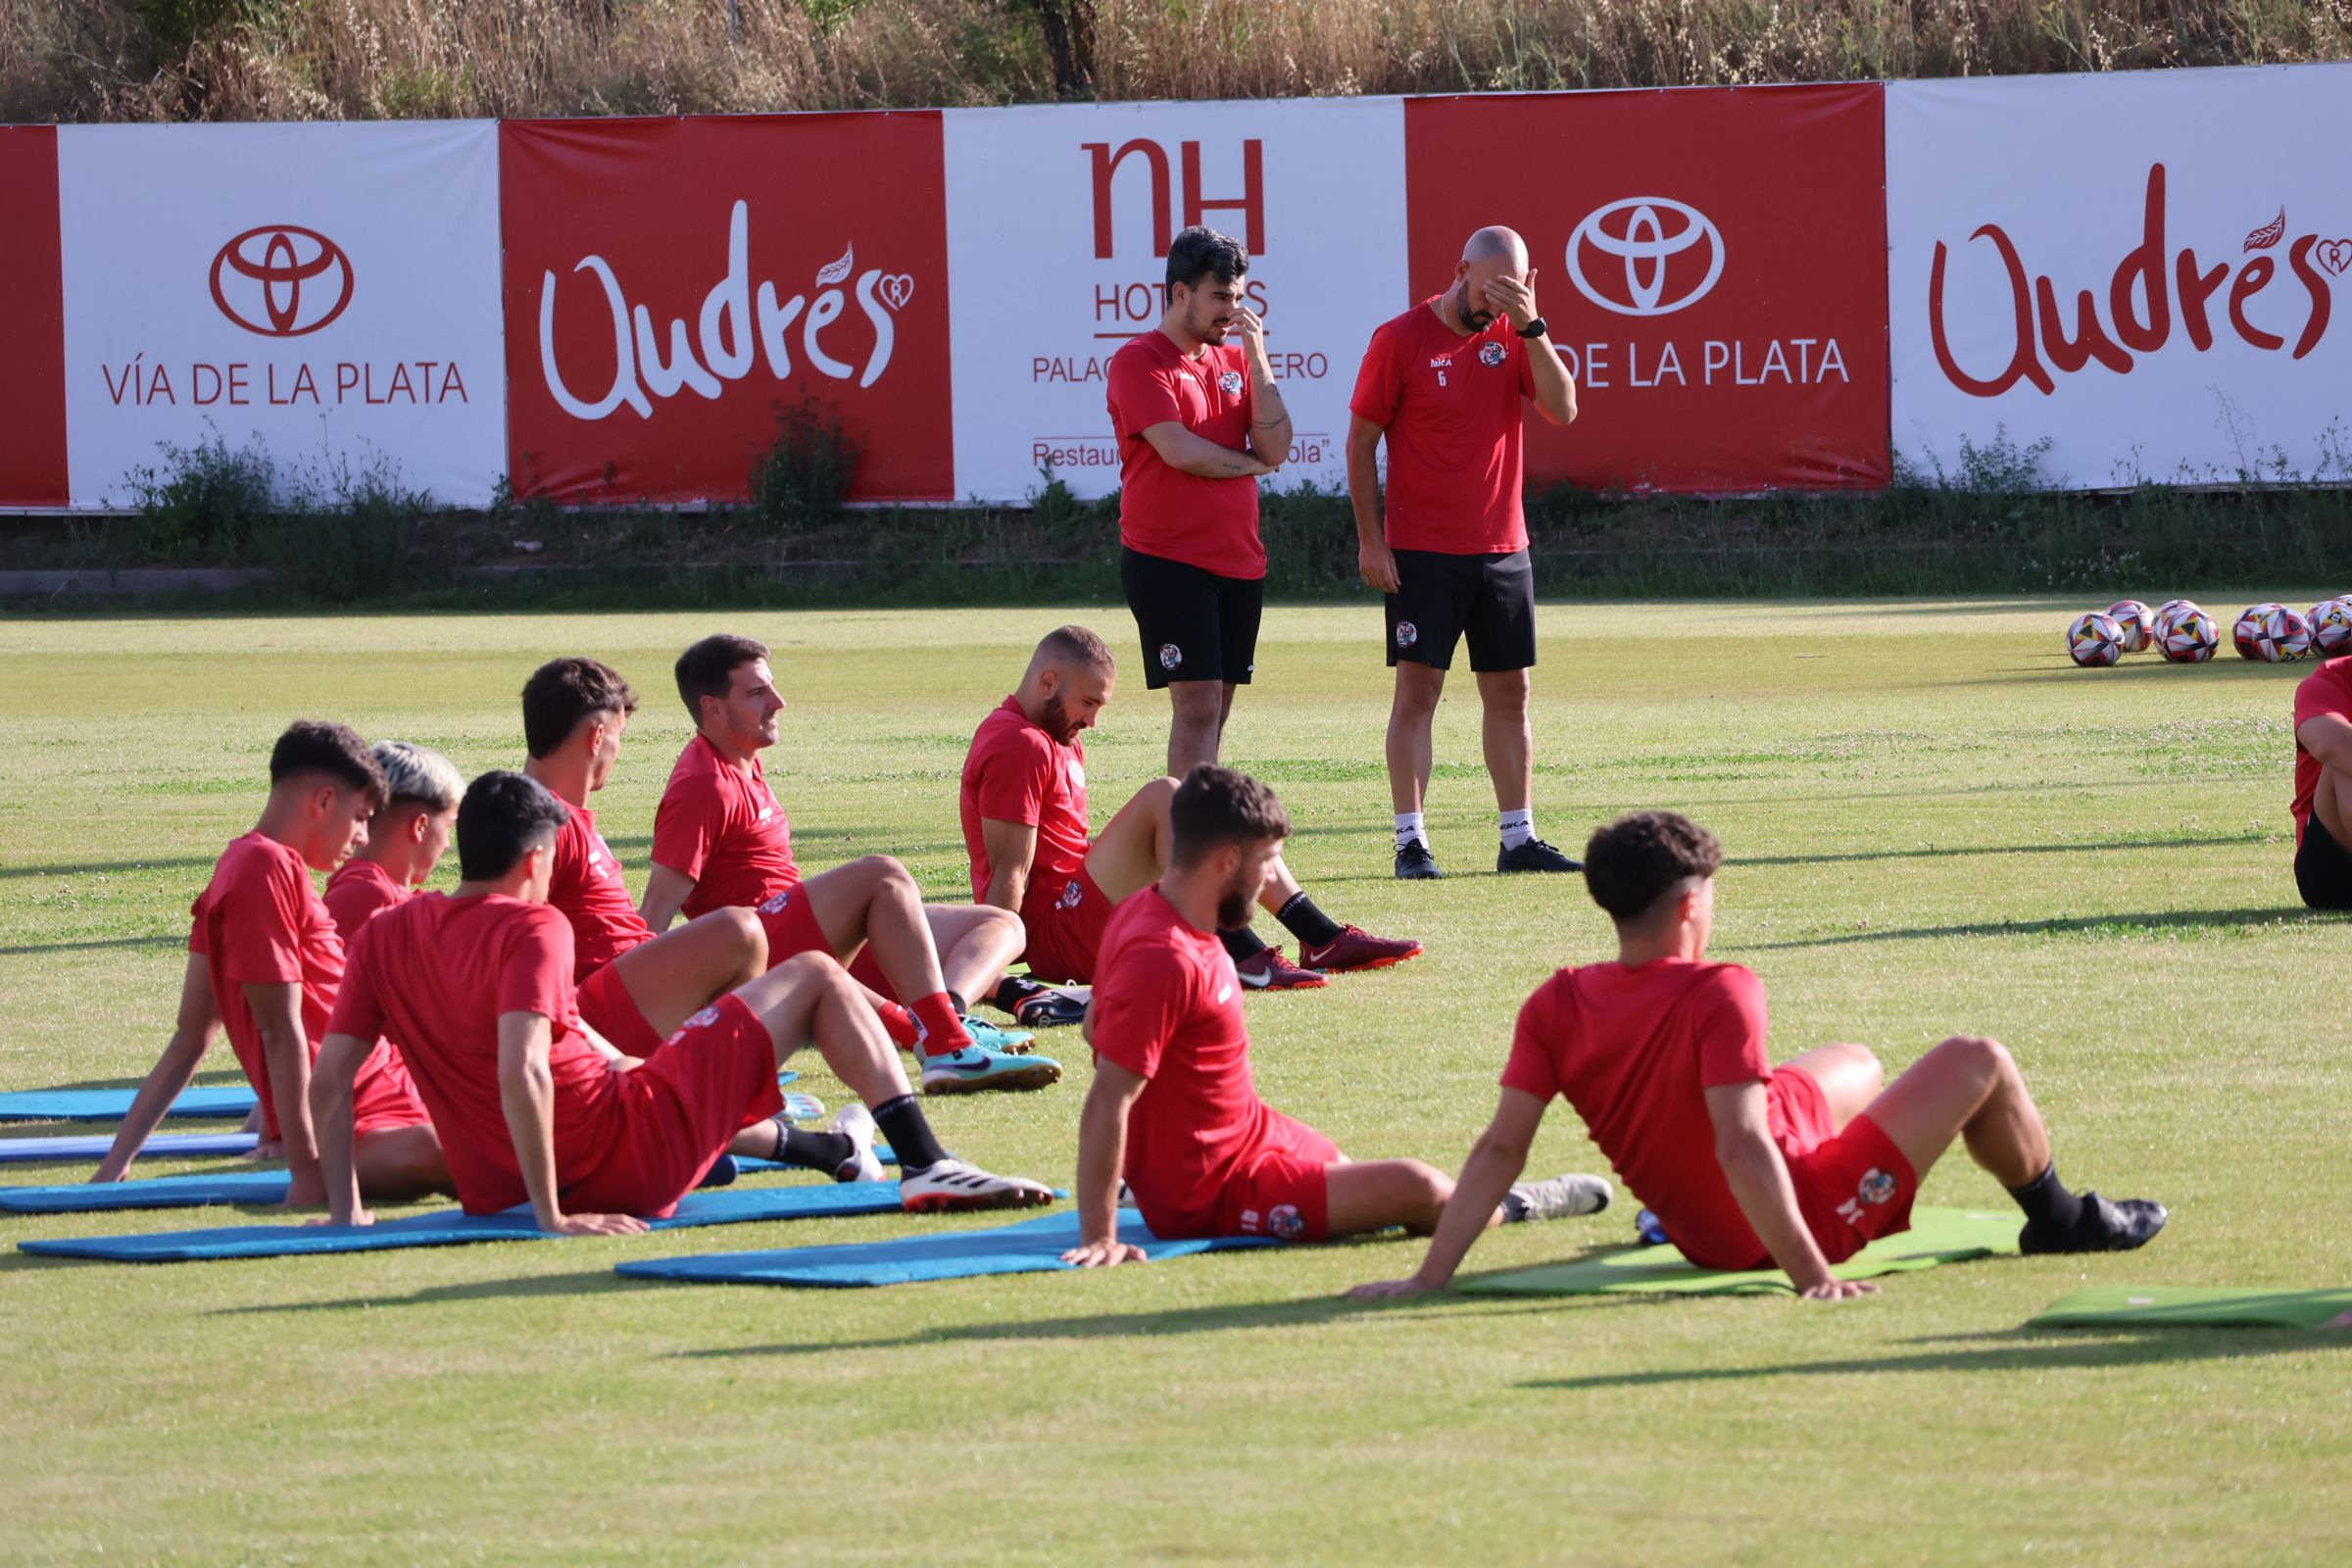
<point>2189,637</point>
<point>2138,622</point>
<point>2094,640</point>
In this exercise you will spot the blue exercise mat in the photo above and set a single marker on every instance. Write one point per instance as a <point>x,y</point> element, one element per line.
<point>1033,1247</point>
<point>733,1205</point>
<point>223,1103</point>
<point>93,1145</point>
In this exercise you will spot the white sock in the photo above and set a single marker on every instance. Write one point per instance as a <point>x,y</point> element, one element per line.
<point>1517,827</point>
<point>1409,830</point>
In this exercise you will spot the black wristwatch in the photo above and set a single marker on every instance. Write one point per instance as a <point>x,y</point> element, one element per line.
<point>1536,328</point>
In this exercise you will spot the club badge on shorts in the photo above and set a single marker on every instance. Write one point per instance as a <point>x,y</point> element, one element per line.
<point>1489,354</point>
<point>1072,895</point>
<point>1408,634</point>
<point>1877,1186</point>
<point>1170,655</point>
<point>1284,1221</point>
<point>775,903</point>
<point>702,1020</point>
<point>1229,383</point>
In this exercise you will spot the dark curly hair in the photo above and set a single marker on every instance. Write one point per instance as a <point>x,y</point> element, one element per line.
<point>1637,860</point>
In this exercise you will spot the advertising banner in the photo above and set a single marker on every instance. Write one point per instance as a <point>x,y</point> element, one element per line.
<point>32,333</point>
<point>678,290</point>
<point>1059,224</point>
<point>1710,262</point>
<point>2148,272</point>
<point>327,293</point>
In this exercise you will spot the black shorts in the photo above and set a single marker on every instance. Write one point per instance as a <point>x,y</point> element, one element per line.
<point>1442,599</point>
<point>2323,870</point>
<point>1196,625</point>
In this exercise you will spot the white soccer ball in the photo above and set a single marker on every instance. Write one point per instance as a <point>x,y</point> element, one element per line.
<point>2167,612</point>
<point>2138,622</point>
<point>2189,637</point>
<point>2287,632</point>
<point>2330,628</point>
<point>2251,632</point>
<point>2094,640</point>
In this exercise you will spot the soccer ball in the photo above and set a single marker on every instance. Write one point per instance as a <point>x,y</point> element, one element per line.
<point>2138,622</point>
<point>2330,628</point>
<point>2189,637</point>
<point>2165,614</point>
<point>2287,632</point>
<point>2251,633</point>
<point>2094,640</point>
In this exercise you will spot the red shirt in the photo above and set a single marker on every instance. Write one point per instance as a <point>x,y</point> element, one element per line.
<point>1017,772</point>
<point>2326,690</point>
<point>588,888</point>
<point>1168,1007</point>
<point>1635,1050</point>
<point>722,827</point>
<point>433,974</point>
<point>1454,408</point>
<point>1210,523</point>
<point>358,889</point>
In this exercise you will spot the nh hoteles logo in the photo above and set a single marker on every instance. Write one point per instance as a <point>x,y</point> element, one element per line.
<point>281,280</point>
<point>1645,256</point>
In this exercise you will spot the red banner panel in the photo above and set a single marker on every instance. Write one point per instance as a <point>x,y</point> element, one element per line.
<point>32,323</point>
<point>676,286</point>
<point>1712,262</point>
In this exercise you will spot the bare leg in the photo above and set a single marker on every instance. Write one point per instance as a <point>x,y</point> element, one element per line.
<point>1132,850</point>
<point>1379,1193</point>
<point>400,1163</point>
<point>976,944</point>
<point>1510,742</point>
<point>1196,711</point>
<point>1850,1076</point>
<point>1411,712</point>
<point>2331,803</point>
<point>874,899</point>
<point>1967,1088</point>
<point>809,998</point>
<point>678,973</point>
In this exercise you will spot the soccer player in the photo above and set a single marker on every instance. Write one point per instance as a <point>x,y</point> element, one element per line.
<point>1025,831</point>
<point>1662,1053</point>
<point>720,839</point>
<point>406,840</point>
<point>1173,1107</point>
<point>1443,383</point>
<point>475,987</point>
<point>2323,809</point>
<point>1198,417</point>
<point>264,963</point>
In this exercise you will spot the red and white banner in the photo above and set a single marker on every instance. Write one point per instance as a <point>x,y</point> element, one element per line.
<point>1711,262</point>
<point>1058,222</point>
<point>676,286</point>
<point>32,330</point>
<point>2151,272</point>
<point>328,292</point>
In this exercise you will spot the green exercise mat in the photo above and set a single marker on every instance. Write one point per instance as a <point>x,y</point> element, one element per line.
<point>2155,1307</point>
<point>1937,1235</point>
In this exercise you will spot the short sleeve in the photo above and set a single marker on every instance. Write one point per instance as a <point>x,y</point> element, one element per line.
<point>1141,395</point>
<point>2326,690</point>
<point>260,921</point>
<point>358,1009</point>
<point>1534,1064</point>
<point>687,824</point>
<point>353,902</point>
<point>1014,777</point>
<point>1376,382</point>
<point>535,975</point>
<point>1730,1027</point>
<point>1140,1003</point>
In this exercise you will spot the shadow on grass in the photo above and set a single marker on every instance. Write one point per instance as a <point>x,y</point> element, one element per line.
<point>94,946</point>
<point>588,1282</point>
<point>108,867</point>
<point>2088,924</point>
<point>2208,841</point>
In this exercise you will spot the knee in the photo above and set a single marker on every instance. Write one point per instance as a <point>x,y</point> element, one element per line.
<point>816,970</point>
<point>744,928</point>
<point>1986,1060</point>
<point>1416,699</point>
<point>1863,1063</point>
<point>886,872</point>
<point>1508,699</point>
<point>1431,1188</point>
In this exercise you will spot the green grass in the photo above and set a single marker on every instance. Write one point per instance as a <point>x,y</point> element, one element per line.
<point>1934,825</point>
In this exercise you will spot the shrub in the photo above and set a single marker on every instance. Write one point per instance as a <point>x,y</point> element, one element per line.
<point>803,479</point>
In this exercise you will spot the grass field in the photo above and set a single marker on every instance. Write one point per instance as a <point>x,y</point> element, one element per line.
<point>1935,824</point>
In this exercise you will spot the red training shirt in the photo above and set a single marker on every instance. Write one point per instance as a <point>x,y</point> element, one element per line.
<point>433,974</point>
<point>588,888</point>
<point>1168,1007</point>
<point>1454,410</point>
<point>722,826</point>
<point>358,889</point>
<point>2326,690</point>
<point>1208,524</point>
<point>1017,772</point>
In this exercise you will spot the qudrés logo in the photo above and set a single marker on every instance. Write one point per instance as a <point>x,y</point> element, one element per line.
<point>1658,241</point>
<point>280,280</point>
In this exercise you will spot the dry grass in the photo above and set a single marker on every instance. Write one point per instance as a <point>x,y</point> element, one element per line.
<point>359,59</point>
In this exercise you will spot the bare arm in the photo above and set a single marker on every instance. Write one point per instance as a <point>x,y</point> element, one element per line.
<point>2328,737</point>
<point>527,1090</point>
<point>1555,388</point>
<point>1102,1154</point>
<point>331,1079</point>
<point>1189,453</point>
<point>1373,558</point>
<point>1759,1181</point>
<point>1011,851</point>
<point>199,1026</point>
<point>1270,425</point>
<point>1495,1161</point>
<point>666,894</point>
<point>286,1057</point>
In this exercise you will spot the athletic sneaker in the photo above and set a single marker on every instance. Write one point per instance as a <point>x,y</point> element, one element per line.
<point>1353,949</point>
<point>951,1185</point>
<point>976,1067</point>
<point>857,1124</point>
<point>1414,864</point>
<point>802,1108</point>
<point>1271,971</point>
<point>989,1037</point>
<point>1535,855</point>
<point>1050,1008</point>
<point>2106,1226</point>
<point>1560,1197</point>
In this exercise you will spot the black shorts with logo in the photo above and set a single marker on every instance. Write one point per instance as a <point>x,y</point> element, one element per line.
<point>1196,625</point>
<point>1442,599</point>
<point>2323,868</point>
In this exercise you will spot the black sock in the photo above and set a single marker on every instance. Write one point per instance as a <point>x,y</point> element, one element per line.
<point>1514,1207</point>
<point>1240,944</point>
<point>1011,992</point>
<point>2049,1205</point>
<point>1303,920</point>
<point>825,1151</point>
<point>908,1132</point>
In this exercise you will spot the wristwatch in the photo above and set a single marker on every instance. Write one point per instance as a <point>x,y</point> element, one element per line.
<point>1536,328</point>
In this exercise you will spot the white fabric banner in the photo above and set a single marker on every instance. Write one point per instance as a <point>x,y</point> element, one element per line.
<point>2152,272</point>
<point>1059,219</point>
<point>327,292</point>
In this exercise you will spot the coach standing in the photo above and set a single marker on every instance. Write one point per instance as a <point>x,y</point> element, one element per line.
<point>1442,382</point>
<point>1198,419</point>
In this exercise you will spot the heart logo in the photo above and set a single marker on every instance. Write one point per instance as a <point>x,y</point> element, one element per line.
<point>2335,255</point>
<point>898,288</point>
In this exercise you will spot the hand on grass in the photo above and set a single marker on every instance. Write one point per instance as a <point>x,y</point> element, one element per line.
<point>1836,1290</point>
<point>594,1225</point>
<point>1381,1289</point>
<point>305,1191</point>
<point>359,1216</point>
<point>1102,1254</point>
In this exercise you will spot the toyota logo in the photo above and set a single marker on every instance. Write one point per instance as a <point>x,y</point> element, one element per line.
<point>280,280</point>
<point>1651,235</point>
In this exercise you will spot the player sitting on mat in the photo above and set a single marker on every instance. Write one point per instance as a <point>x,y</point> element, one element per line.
<point>406,840</point>
<point>264,963</point>
<point>2323,807</point>
<point>475,989</point>
<point>720,839</point>
<point>1173,1107</point>
<point>1662,1053</point>
<point>1025,831</point>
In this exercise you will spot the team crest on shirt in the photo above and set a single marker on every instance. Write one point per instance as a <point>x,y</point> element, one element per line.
<point>1284,1221</point>
<point>1408,634</point>
<point>775,905</point>
<point>1877,1186</point>
<point>1170,655</point>
<point>1072,895</point>
<point>702,1020</point>
<point>1489,354</point>
<point>1229,383</point>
